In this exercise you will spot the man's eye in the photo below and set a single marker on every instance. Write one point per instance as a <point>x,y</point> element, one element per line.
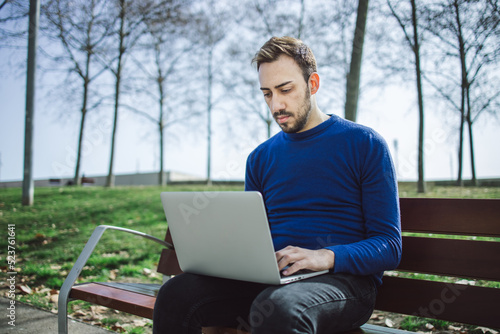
<point>285,90</point>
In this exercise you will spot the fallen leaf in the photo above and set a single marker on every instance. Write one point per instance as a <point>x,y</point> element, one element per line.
<point>97,311</point>
<point>454,328</point>
<point>466,282</point>
<point>140,322</point>
<point>54,298</point>
<point>79,313</point>
<point>389,323</point>
<point>26,290</point>
<point>118,328</point>
<point>112,274</point>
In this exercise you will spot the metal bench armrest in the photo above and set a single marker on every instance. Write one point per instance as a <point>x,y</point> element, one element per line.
<point>80,263</point>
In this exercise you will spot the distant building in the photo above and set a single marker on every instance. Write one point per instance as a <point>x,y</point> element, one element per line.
<point>138,179</point>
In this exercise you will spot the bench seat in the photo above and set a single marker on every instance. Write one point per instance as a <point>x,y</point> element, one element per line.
<point>138,299</point>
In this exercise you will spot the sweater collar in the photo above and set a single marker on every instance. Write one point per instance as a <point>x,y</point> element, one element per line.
<point>320,128</point>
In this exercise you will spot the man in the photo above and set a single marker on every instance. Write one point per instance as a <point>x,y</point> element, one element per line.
<point>331,198</point>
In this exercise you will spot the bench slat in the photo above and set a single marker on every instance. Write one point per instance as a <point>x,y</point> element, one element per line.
<point>451,216</point>
<point>144,288</point>
<point>462,258</point>
<point>118,299</point>
<point>452,302</point>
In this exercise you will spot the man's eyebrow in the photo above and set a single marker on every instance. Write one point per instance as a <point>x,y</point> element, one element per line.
<point>278,86</point>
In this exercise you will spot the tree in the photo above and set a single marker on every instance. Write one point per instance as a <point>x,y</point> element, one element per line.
<point>28,186</point>
<point>467,31</point>
<point>414,43</point>
<point>13,30</point>
<point>167,47</point>
<point>123,33</point>
<point>353,77</point>
<point>210,34</point>
<point>258,23</point>
<point>81,27</point>
<point>130,28</point>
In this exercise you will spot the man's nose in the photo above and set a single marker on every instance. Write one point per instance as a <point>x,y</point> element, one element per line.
<point>277,104</point>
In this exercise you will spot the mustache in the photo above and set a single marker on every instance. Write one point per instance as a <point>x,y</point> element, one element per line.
<point>282,113</point>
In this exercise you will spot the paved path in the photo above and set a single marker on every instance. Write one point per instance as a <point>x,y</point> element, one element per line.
<point>30,320</point>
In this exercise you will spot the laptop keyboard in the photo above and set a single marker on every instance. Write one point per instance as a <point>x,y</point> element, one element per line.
<point>300,272</point>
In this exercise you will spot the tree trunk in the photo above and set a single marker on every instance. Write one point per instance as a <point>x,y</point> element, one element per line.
<point>161,103</point>
<point>460,182</point>
<point>471,143</point>
<point>161,128</point>
<point>464,86</point>
<point>416,49</point>
<point>353,77</point>
<point>27,197</point>
<point>161,179</point>
<point>77,180</point>
<point>209,116</point>
<point>110,181</point>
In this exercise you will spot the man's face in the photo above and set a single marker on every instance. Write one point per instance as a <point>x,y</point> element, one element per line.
<point>286,93</point>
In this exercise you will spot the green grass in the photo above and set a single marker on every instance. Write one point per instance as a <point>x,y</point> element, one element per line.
<point>415,324</point>
<point>410,190</point>
<point>109,321</point>
<point>135,330</point>
<point>51,234</point>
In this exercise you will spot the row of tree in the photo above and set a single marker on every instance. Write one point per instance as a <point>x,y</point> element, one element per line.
<point>459,62</point>
<point>177,62</point>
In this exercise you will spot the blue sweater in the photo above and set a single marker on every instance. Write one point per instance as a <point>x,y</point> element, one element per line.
<point>334,187</point>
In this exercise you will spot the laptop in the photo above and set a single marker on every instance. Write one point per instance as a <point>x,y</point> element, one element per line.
<point>224,234</point>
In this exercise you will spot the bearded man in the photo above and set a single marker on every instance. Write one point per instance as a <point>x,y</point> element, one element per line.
<point>331,198</point>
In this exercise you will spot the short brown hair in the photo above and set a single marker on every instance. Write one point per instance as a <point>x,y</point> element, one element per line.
<point>292,47</point>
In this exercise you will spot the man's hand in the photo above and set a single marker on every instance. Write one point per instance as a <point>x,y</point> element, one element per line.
<point>300,258</point>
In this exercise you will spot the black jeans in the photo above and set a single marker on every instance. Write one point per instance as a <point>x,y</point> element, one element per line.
<point>322,304</point>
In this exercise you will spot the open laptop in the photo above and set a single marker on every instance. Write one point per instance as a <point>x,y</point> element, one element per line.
<point>224,234</point>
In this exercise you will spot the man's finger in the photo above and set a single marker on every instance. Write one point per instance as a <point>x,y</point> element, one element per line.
<point>293,268</point>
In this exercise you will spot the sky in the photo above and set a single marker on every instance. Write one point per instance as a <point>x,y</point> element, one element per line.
<point>390,111</point>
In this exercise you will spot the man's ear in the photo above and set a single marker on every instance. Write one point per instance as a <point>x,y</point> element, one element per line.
<point>314,83</point>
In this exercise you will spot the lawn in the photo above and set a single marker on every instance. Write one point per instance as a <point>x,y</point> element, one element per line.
<point>50,235</point>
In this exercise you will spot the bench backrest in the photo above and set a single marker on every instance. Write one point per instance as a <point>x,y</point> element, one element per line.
<point>443,256</point>
<point>435,252</point>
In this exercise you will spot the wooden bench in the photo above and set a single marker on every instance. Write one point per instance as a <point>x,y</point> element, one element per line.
<point>449,258</point>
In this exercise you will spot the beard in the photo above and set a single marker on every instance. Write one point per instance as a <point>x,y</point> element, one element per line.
<point>301,117</point>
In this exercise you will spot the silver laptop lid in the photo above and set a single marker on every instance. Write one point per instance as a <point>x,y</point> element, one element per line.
<point>223,234</point>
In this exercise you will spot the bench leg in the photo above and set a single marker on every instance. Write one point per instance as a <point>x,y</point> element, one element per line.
<point>62,306</point>
<point>62,315</point>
